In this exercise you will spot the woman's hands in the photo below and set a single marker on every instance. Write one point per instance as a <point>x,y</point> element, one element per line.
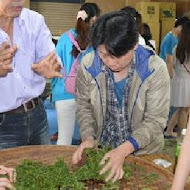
<point>115,160</point>
<point>112,161</point>
<point>6,182</point>
<point>88,143</point>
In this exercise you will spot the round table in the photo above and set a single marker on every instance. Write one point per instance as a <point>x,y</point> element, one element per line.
<point>49,153</point>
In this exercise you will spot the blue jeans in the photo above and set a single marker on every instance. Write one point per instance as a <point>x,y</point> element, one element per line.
<point>27,128</point>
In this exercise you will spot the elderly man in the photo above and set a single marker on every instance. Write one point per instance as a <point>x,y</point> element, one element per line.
<point>26,58</point>
<point>122,93</point>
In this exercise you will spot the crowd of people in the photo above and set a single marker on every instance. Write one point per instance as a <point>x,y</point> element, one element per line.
<point>122,93</point>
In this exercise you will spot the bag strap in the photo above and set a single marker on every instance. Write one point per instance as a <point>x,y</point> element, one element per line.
<point>75,43</point>
<point>186,68</point>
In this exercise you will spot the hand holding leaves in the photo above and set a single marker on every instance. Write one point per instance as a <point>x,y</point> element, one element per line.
<point>88,143</point>
<point>113,161</point>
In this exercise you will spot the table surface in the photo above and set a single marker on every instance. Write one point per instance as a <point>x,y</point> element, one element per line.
<point>152,157</point>
<point>48,153</point>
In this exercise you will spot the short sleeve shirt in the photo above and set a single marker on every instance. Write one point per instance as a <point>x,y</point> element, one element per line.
<point>167,45</point>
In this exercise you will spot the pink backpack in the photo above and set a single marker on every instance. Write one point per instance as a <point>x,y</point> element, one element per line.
<point>71,77</point>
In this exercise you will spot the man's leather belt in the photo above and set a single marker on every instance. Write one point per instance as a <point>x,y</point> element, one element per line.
<point>25,107</point>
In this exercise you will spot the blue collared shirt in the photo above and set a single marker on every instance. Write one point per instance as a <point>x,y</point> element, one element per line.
<point>34,42</point>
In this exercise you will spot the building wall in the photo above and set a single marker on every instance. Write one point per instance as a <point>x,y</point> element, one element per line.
<point>109,5</point>
<point>182,6</point>
<point>59,17</point>
<point>62,16</point>
<point>27,3</point>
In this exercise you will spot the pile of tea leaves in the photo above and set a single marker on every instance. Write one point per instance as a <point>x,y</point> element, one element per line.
<point>38,176</point>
